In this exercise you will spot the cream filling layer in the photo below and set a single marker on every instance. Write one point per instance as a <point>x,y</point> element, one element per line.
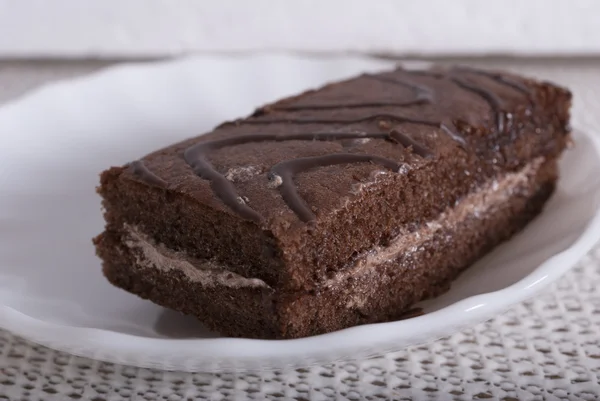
<point>210,274</point>
<point>477,205</point>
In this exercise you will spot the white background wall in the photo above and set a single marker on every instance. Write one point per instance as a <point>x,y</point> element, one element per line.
<point>150,28</point>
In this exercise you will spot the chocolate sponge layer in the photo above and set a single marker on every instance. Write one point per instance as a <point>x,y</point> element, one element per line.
<point>380,286</point>
<point>336,207</point>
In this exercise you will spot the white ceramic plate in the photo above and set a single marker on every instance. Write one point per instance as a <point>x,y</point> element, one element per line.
<point>54,142</point>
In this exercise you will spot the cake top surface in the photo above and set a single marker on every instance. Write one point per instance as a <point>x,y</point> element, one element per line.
<point>299,159</point>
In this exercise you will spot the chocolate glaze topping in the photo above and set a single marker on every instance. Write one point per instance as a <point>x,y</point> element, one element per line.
<point>287,169</point>
<point>284,172</point>
<point>195,156</point>
<point>345,106</point>
<point>378,116</point>
<point>141,171</point>
<point>491,98</point>
<point>494,101</point>
<point>519,86</point>
<point>407,142</point>
<point>423,94</point>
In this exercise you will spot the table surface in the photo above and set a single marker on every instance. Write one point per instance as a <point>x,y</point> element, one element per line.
<point>547,348</point>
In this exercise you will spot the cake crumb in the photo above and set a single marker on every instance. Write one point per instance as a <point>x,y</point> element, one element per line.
<point>274,181</point>
<point>403,169</point>
<point>242,174</point>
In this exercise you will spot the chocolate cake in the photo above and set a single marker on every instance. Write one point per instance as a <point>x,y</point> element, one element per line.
<point>338,207</point>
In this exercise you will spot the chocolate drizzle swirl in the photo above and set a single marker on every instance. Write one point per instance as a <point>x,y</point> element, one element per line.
<point>501,79</point>
<point>408,142</point>
<point>494,101</point>
<point>282,174</point>
<point>141,171</point>
<point>195,156</point>
<point>378,116</point>
<point>286,171</point>
<point>490,97</point>
<point>423,94</point>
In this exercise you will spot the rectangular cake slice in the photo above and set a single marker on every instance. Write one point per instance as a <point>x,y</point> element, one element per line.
<point>340,206</point>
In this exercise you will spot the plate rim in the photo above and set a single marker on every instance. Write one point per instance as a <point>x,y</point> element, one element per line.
<point>243,352</point>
